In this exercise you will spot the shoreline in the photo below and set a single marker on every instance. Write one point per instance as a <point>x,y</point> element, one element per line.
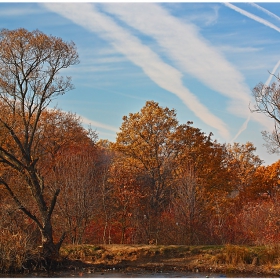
<point>257,261</point>
<point>254,262</point>
<point>92,271</point>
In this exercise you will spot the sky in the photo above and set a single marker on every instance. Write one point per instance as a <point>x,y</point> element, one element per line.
<point>200,58</point>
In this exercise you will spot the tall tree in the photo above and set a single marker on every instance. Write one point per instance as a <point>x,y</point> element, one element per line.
<point>147,140</point>
<point>201,181</point>
<point>30,64</point>
<point>76,173</point>
<point>127,194</point>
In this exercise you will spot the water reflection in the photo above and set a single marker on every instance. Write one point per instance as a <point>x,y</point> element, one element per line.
<point>135,274</point>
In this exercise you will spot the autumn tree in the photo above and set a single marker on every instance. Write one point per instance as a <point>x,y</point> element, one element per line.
<point>188,200</point>
<point>76,173</point>
<point>126,194</point>
<point>30,65</point>
<point>58,130</point>
<point>146,139</point>
<point>259,223</point>
<point>179,170</point>
<point>68,161</point>
<point>201,182</point>
<point>107,211</point>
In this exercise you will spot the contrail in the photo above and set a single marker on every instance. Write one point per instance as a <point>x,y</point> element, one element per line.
<point>242,128</point>
<point>254,17</point>
<point>267,83</point>
<point>267,23</point>
<point>263,22</point>
<point>265,11</point>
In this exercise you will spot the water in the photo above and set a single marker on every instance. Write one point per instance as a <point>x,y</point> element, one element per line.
<point>134,274</point>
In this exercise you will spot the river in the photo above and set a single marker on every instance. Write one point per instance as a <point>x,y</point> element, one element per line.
<point>138,274</point>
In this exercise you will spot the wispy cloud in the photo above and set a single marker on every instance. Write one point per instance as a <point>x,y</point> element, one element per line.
<point>212,18</point>
<point>161,73</point>
<point>205,17</point>
<point>182,42</point>
<point>233,49</point>
<point>82,69</point>
<point>100,56</point>
<point>100,61</point>
<point>97,124</point>
<point>117,92</point>
<point>252,16</point>
<point>10,12</point>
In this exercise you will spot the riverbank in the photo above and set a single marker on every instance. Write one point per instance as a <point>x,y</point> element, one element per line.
<point>92,260</point>
<point>254,261</point>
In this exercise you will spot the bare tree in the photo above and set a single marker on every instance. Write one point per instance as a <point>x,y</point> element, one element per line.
<point>77,174</point>
<point>188,195</point>
<point>267,101</point>
<point>29,80</point>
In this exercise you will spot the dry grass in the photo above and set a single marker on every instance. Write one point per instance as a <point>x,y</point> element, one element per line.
<point>113,254</point>
<point>81,252</point>
<point>233,258</point>
<point>270,255</point>
<point>15,250</point>
<point>236,255</point>
<point>229,258</point>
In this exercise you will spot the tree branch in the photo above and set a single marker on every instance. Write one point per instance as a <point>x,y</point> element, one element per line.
<point>53,202</point>
<point>19,204</point>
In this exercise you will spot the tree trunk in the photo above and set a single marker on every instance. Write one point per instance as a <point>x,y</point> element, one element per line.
<point>50,250</point>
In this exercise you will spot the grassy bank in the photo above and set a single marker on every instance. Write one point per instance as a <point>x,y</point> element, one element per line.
<point>263,260</point>
<point>256,261</point>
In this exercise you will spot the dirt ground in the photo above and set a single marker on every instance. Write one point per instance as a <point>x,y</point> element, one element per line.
<point>163,258</point>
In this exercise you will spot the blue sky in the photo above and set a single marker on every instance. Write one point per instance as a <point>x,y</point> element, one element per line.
<point>202,59</point>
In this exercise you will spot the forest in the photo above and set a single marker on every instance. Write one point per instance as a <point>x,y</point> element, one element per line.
<point>160,182</point>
